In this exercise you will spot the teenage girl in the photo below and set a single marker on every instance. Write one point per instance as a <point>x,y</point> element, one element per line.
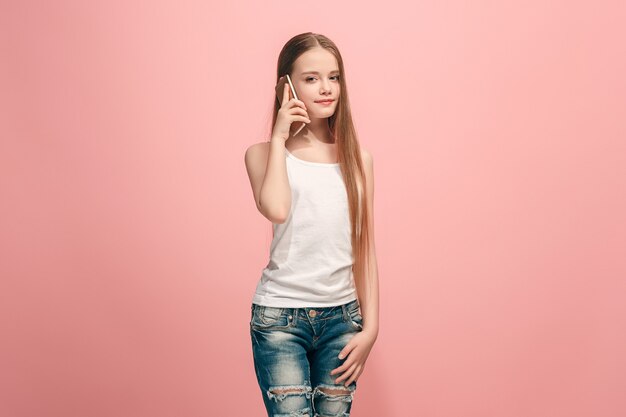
<point>314,313</point>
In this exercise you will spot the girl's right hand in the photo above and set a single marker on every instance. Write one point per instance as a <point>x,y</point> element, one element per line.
<point>292,110</point>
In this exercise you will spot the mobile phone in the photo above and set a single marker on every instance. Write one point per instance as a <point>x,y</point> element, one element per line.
<point>280,87</point>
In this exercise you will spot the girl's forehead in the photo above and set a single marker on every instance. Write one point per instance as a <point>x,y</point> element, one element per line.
<point>317,59</point>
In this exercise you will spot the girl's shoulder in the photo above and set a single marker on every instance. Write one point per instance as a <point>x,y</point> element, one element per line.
<point>257,153</point>
<point>258,147</point>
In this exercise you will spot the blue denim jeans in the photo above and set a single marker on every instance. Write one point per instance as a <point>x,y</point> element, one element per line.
<point>294,350</point>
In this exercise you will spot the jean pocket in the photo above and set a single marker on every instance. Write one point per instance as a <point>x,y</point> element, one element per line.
<point>265,317</point>
<point>355,317</point>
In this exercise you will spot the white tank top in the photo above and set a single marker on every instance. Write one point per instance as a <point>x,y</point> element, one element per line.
<point>311,256</point>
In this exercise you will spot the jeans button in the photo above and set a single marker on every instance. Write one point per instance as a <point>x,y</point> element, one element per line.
<point>312,313</point>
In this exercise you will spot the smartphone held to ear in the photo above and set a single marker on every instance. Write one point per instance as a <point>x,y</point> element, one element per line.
<point>280,88</point>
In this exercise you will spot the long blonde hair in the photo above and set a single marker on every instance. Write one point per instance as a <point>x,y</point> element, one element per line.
<point>348,150</point>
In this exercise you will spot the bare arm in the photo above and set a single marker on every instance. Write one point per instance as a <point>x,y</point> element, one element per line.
<point>369,304</point>
<point>267,171</point>
<point>266,164</point>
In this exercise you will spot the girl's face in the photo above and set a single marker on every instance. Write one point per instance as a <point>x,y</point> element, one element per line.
<point>316,77</point>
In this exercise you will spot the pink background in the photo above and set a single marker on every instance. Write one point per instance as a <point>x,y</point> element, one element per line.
<point>131,245</point>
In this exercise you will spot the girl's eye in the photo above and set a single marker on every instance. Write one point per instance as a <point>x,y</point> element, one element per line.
<point>312,78</point>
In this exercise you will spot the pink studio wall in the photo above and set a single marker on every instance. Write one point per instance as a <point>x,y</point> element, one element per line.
<point>131,245</point>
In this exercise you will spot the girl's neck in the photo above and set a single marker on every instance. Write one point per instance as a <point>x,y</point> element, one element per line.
<point>315,134</point>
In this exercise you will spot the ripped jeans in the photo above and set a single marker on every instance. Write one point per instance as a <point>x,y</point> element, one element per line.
<point>294,350</point>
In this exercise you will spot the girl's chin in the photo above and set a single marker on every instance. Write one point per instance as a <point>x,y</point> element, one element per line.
<point>320,116</point>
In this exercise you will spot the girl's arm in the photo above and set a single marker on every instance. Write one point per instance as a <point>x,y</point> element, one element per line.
<point>369,303</point>
<point>267,170</point>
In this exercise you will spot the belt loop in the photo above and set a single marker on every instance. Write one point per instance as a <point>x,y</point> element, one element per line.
<point>344,311</point>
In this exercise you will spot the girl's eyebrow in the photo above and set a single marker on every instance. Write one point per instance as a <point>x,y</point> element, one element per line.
<point>316,72</point>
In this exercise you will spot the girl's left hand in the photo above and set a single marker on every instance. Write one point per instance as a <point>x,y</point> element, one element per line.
<point>357,350</point>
